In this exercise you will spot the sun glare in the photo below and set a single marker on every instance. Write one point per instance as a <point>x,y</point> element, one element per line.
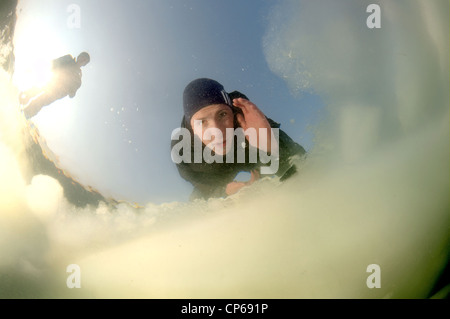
<point>37,41</point>
<point>36,44</point>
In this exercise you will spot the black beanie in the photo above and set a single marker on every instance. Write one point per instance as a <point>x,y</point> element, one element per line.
<point>200,93</point>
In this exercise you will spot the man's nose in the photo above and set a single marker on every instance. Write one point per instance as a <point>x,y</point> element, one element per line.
<point>219,126</point>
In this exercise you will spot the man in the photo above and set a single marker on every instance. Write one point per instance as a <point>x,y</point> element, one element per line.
<point>208,106</point>
<point>66,80</point>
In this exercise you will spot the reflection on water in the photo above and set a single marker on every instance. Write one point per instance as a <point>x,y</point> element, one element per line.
<point>374,190</point>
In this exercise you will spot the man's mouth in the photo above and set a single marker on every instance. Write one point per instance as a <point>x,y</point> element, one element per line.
<point>220,144</point>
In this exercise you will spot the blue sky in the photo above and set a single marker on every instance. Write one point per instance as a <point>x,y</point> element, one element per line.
<point>115,134</point>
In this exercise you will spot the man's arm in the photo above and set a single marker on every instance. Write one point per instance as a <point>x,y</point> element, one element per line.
<point>76,82</point>
<point>234,187</point>
<point>62,62</point>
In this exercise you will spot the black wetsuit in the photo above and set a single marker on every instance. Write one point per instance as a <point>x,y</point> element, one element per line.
<point>210,180</point>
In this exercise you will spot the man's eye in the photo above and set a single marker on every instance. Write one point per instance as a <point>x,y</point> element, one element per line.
<point>223,115</point>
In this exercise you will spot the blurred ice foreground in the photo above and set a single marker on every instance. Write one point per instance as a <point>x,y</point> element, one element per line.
<point>375,190</point>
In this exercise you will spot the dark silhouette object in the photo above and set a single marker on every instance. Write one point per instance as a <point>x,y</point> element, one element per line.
<point>66,81</point>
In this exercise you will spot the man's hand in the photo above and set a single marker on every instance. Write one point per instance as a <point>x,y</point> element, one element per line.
<point>253,117</point>
<point>234,187</point>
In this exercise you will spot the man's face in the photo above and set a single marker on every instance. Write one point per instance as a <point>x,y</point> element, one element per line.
<point>216,116</point>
